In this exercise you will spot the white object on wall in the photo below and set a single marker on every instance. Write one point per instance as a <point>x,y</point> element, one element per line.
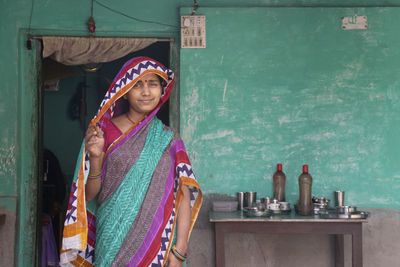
<point>354,23</point>
<point>193,32</point>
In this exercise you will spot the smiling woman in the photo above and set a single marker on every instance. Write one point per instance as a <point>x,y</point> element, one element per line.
<point>144,96</point>
<point>143,196</point>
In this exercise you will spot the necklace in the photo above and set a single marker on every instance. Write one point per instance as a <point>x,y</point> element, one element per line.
<point>127,115</point>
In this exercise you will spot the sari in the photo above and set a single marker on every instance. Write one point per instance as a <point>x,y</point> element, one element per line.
<point>133,220</point>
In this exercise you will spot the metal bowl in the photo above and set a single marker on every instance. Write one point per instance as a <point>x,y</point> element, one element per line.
<point>346,209</point>
<point>320,200</point>
<point>247,209</point>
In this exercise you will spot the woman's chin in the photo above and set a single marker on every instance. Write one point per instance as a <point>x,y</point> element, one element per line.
<point>145,110</point>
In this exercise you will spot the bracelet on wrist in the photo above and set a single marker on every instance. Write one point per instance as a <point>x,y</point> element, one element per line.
<point>94,176</point>
<point>177,254</point>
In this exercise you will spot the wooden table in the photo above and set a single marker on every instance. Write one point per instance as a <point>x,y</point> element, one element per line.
<point>238,222</point>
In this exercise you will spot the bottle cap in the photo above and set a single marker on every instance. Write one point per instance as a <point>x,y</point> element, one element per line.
<point>305,168</point>
<point>279,167</point>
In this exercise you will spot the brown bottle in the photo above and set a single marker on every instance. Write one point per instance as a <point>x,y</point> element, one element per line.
<point>279,179</point>
<point>305,183</point>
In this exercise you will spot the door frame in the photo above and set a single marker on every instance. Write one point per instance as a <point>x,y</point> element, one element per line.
<point>28,125</point>
<point>30,140</point>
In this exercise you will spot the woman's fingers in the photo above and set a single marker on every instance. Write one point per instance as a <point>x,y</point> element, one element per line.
<point>94,139</point>
<point>98,131</point>
<point>91,131</point>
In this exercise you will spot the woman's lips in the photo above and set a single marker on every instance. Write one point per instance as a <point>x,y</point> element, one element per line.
<point>146,101</point>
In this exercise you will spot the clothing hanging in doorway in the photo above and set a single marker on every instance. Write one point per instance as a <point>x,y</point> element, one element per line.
<point>85,50</point>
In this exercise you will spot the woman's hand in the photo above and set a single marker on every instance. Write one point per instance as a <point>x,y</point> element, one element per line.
<point>94,141</point>
<point>173,261</point>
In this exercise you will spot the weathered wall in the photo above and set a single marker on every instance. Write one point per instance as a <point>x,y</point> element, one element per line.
<point>289,85</point>
<point>19,105</point>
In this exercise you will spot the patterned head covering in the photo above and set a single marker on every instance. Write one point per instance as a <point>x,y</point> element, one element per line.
<point>127,77</point>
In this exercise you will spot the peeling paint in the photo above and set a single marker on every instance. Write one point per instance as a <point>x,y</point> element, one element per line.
<point>7,160</point>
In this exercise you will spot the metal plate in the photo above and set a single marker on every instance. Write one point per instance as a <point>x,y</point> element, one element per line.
<point>356,215</point>
<point>258,213</point>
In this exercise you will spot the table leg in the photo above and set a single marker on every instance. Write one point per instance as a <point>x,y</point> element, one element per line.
<point>357,247</point>
<point>219,245</point>
<point>339,250</point>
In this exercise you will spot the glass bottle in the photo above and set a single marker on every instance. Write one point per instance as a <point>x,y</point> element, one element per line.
<point>279,179</point>
<point>305,183</point>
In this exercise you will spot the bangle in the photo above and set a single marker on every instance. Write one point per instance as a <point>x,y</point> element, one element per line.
<point>178,254</point>
<point>94,176</point>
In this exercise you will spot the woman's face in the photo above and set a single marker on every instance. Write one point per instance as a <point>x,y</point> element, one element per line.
<point>144,96</point>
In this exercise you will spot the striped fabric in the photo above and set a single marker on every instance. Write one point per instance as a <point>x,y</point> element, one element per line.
<point>150,235</point>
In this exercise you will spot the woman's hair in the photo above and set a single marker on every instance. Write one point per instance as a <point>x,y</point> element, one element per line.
<point>162,81</point>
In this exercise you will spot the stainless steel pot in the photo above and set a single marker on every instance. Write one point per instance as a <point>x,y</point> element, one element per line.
<point>249,199</point>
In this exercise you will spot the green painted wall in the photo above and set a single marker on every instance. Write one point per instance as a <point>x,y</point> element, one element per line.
<point>20,100</point>
<point>288,85</point>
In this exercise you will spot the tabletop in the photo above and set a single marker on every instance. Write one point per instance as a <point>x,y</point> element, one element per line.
<point>240,216</point>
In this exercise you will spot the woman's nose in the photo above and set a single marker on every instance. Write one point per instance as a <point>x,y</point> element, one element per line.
<point>146,89</point>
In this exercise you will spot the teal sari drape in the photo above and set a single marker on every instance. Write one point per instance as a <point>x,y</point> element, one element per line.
<point>116,215</point>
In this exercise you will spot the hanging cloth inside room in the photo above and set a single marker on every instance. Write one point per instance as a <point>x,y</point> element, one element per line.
<point>85,50</point>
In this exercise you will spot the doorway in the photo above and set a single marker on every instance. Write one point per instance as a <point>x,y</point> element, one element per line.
<point>69,103</point>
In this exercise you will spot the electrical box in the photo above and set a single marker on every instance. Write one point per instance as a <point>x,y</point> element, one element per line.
<point>193,32</point>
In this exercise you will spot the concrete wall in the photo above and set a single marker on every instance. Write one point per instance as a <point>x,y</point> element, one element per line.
<point>20,107</point>
<point>7,231</point>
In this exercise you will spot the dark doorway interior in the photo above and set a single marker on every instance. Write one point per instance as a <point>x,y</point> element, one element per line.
<point>67,110</point>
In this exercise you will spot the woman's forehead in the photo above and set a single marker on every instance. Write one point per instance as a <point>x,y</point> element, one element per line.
<point>149,76</point>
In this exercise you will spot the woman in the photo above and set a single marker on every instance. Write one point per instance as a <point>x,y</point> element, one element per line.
<point>145,196</point>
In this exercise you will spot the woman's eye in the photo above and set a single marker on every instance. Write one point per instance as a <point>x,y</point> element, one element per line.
<point>138,85</point>
<point>153,84</point>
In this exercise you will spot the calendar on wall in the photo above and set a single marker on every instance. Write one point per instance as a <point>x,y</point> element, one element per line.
<point>193,32</point>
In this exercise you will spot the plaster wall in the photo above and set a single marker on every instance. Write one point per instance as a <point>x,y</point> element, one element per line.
<point>7,230</point>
